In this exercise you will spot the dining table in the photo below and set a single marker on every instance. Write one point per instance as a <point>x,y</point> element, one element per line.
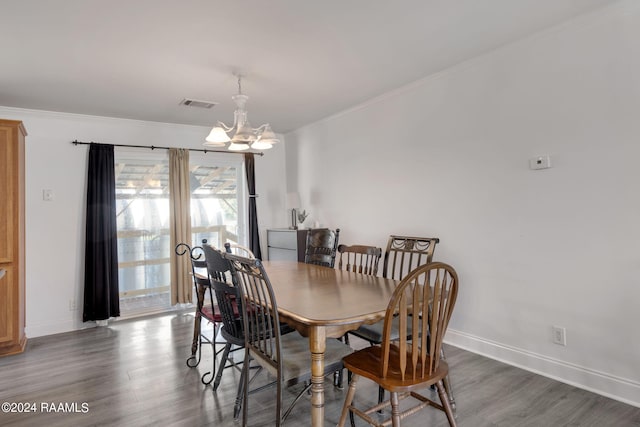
<point>323,303</point>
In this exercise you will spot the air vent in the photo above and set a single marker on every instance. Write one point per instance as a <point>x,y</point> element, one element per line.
<point>198,103</point>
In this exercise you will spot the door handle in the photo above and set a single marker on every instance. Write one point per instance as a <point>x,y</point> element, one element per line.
<point>2,271</point>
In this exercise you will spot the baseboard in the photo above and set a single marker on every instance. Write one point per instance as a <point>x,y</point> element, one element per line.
<point>621,389</point>
<point>52,328</point>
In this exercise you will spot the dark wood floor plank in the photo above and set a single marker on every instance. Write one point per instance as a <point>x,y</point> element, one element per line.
<point>133,373</point>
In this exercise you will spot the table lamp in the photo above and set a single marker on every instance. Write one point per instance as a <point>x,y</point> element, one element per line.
<point>293,203</point>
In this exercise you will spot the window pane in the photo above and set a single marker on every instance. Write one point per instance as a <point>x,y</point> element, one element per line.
<point>214,204</point>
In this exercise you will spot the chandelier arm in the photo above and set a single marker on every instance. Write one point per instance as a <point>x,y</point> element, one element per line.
<point>225,127</point>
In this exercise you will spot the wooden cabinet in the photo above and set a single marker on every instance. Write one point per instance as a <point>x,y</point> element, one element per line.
<point>285,244</point>
<point>12,258</point>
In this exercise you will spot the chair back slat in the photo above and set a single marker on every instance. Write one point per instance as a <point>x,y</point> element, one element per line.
<point>424,326</point>
<point>405,253</point>
<point>322,244</point>
<point>415,319</point>
<point>424,299</point>
<point>434,311</point>
<point>402,326</point>
<point>359,258</point>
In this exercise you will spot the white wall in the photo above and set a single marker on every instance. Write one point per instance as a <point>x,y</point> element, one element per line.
<point>448,157</point>
<point>55,230</point>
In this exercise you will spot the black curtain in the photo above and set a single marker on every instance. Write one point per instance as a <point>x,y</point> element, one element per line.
<point>101,294</point>
<point>254,235</point>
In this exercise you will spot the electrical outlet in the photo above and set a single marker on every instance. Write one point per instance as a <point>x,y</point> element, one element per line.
<point>72,305</point>
<point>559,335</point>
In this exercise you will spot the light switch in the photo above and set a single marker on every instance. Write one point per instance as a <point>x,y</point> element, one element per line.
<point>47,195</point>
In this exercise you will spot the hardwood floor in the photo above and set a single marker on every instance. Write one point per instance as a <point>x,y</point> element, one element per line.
<point>133,373</point>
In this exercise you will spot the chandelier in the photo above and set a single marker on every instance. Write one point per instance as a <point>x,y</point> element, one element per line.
<point>241,135</point>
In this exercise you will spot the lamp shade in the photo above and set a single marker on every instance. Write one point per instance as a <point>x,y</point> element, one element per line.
<point>293,200</point>
<point>217,137</point>
<point>261,145</point>
<point>266,140</point>
<point>234,146</point>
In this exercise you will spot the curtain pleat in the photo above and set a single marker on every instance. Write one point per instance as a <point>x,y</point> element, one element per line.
<point>180,223</point>
<point>101,293</point>
<point>254,234</point>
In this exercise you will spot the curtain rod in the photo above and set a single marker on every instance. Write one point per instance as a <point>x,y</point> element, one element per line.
<point>153,147</point>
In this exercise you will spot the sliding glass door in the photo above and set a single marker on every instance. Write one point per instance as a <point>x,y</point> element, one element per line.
<point>142,197</point>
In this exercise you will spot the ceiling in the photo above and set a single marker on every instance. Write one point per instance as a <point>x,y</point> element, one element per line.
<point>302,60</point>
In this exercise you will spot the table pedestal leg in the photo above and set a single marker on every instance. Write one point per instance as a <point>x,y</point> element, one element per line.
<point>317,343</point>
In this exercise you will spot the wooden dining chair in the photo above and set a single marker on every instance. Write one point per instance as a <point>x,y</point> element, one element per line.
<point>322,244</point>
<point>359,258</point>
<point>424,299</point>
<point>403,254</point>
<point>286,357</point>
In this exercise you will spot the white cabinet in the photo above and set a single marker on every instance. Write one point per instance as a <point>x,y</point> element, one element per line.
<point>285,244</point>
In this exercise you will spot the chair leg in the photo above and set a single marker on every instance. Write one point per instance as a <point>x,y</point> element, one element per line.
<point>298,397</point>
<point>444,399</point>
<point>395,409</point>
<point>223,363</point>
<point>196,333</point>
<point>241,395</point>
<point>279,399</point>
<point>348,400</point>
<point>214,350</point>
<point>447,385</point>
<point>380,397</point>
<point>338,379</point>
<point>351,416</point>
<point>196,345</point>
